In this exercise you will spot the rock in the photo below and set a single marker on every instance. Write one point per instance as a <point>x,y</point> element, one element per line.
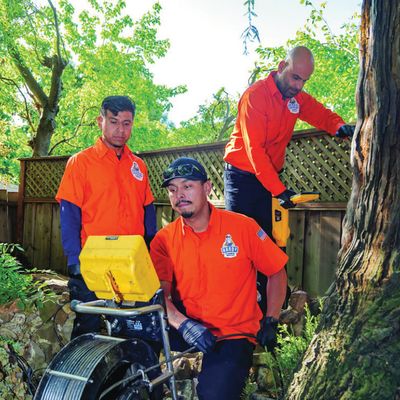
<point>298,300</point>
<point>266,380</point>
<point>56,283</point>
<point>35,356</point>
<point>299,326</point>
<point>289,316</point>
<point>48,310</point>
<point>7,311</point>
<point>7,333</point>
<point>186,390</point>
<point>260,396</point>
<point>182,368</point>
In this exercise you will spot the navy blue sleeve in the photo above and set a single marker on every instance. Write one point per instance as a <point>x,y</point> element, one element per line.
<point>150,223</point>
<point>71,222</point>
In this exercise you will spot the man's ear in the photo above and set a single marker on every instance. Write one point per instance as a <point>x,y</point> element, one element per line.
<point>99,120</point>
<point>282,65</point>
<point>207,187</point>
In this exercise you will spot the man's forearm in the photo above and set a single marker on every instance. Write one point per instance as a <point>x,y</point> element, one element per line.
<point>175,318</point>
<point>276,293</point>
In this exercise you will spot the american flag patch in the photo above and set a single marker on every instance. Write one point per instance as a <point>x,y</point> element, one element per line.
<point>261,234</point>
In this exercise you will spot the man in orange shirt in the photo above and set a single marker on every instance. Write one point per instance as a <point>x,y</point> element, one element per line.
<point>206,261</point>
<point>104,191</point>
<point>255,153</point>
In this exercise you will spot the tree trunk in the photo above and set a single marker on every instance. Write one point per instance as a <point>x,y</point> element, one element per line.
<point>356,353</point>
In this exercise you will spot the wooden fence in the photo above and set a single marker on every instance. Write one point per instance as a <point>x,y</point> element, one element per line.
<point>315,162</point>
<point>8,213</point>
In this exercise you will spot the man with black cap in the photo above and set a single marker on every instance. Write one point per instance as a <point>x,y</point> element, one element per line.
<point>206,261</point>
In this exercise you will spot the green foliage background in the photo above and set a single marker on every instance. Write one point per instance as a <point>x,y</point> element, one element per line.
<point>110,52</point>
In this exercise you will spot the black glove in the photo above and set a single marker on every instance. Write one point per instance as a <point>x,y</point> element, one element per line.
<point>197,335</point>
<point>74,271</point>
<point>284,198</point>
<point>266,336</point>
<point>345,131</point>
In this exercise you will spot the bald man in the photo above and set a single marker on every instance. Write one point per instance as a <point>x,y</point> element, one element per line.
<point>255,153</point>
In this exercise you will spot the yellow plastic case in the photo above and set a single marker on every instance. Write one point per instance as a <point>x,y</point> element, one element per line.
<point>119,268</point>
<point>280,216</point>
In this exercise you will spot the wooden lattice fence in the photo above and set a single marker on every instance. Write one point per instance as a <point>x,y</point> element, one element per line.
<point>8,212</point>
<point>315,162</point>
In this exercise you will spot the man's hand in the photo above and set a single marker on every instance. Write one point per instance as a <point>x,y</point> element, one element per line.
<point>266,336</point>
<point>197,335</point>
<point>74,271</point>
<point>345,131</point>
<point>284,198</point>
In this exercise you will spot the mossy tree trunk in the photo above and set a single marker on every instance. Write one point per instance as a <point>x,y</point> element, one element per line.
<point>356,353</point>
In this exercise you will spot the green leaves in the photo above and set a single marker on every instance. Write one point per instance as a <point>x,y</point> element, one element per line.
<point>334,80</point>
<point>109,54</point>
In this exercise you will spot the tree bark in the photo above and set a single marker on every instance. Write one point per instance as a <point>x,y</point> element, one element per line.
<point>356,352</point>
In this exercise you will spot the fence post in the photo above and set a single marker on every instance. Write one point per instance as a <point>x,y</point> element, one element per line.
<point>20,204</point>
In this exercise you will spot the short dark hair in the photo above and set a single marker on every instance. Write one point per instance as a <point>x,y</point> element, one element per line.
<point>116,104</point>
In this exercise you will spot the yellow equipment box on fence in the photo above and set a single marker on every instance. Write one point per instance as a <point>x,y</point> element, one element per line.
<point>119,268</point>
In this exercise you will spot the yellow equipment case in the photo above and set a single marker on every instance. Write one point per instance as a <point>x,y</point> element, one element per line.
<point>119,268</point>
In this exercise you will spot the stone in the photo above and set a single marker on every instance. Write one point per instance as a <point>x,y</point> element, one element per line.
<point>182,368</point>
<point>266,380</point>
<point>298,300</point>
<point>260,396</point>
<point>48,310</point>
<point>298,327</point>
<point>35,356</point>
<point>186,390</point>
<point>7,311</point>
<point>289,316</point>
<point>7,333</point>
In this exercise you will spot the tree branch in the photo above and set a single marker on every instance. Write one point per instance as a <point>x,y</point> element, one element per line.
<point>10,81</point>
<point>65,140</point>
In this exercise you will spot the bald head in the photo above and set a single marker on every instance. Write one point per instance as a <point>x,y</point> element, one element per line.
<point>295,71</point>
<point>300,54</point>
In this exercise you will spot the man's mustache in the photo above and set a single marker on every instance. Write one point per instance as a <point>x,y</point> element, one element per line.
<point>179,202</point>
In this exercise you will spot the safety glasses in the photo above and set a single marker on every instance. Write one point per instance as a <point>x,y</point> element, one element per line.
<point>182,171</point>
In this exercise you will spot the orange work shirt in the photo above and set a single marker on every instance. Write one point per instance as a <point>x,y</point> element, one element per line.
<point>214,272</point>
<point>264,127</point>
<point>111,193</point>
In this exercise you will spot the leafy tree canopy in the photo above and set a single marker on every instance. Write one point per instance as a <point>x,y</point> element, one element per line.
<point>334,80</point>
<point>105,51</point>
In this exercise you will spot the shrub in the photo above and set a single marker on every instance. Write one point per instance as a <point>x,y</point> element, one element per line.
<point>15,282</point>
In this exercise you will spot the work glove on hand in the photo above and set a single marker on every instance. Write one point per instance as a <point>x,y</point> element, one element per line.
<point>284,198</point>
<point>345,131</point>
<point>266,336</point>
<point>197,335</point>
<point>74,271</point>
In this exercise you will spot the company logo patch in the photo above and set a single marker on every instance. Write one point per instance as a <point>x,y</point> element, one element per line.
<point>261,234</point>
<point>136,172</point>
<point>293,106</point>
<point>229,249</point>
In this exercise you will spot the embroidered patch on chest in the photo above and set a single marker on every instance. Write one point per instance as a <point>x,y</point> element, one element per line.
<point>293,106</point>
<point>229,249</point>
<point>136,172</point>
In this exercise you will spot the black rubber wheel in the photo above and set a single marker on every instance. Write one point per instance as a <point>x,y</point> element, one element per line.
<point>91,364</point>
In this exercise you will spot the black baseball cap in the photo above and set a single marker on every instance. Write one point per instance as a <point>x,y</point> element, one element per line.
<point>184,167</point>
